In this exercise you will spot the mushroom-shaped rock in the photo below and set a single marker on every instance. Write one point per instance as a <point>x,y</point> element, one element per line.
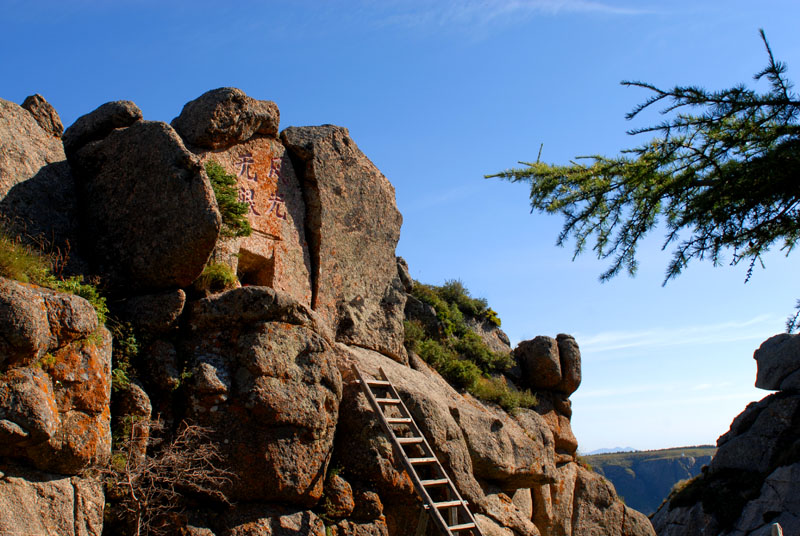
<point>224,117</point>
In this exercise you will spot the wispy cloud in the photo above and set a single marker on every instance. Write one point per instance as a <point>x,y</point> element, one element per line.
<point>486,12</point>
<point>675,336</point>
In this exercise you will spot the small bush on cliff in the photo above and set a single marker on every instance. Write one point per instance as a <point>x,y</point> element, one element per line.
<point>499,391</point>
<point>234,213</point>
<point>20,262</point>
<point>216,277</point>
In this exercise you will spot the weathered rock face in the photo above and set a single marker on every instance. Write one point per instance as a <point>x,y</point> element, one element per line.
<point>44,114</point>
<point>356,287</point>
<point>37,190</point>
<point>275,521</point>
<point>264,377</point>
<point>143,169</point>
<point>56,382</point>
<point>751,475</point>
<point>276,254</point>
<point>40,504</point>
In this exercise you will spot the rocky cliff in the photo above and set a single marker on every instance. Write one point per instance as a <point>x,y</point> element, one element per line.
<point>260,371</point>
<point>753,481</point>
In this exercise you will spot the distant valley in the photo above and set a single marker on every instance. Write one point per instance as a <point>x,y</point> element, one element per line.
<point>645,478</point>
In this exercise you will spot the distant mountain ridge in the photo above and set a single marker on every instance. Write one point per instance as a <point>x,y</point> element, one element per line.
<point>645,478</point>
<point>611,450</point>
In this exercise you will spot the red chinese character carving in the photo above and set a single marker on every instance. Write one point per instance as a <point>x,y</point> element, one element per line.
<point>245,162</point>
<point>276,204</point>
<point>248,195</point>
<point>274,168</point>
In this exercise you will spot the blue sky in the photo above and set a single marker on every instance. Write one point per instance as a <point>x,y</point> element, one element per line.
<point>439,93</point>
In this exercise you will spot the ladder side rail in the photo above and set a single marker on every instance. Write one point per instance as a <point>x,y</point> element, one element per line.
<point>407,465</point>
<point>429,452</point>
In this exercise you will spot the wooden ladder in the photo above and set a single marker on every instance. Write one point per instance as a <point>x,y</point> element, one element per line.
<point>439,496</point>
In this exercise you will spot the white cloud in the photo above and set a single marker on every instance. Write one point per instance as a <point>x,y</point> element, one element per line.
<point>484,12</point>
<point>611,341</point>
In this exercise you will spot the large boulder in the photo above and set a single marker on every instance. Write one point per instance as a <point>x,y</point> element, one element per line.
<point>540,363</point>
<point>99,123</point>
<point>144,169</point>
<point>25,148</point>
<point>353,226</point>
<point>265,382</point>
<point>37,189</point>
<point>41,504</point>
<point>550,364</point>
<point>223,117</point>
<point>55,388</point>
<point>778,361</point>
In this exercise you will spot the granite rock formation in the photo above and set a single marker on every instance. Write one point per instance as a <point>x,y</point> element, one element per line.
<point>264,368</point>
<point>749,483</point>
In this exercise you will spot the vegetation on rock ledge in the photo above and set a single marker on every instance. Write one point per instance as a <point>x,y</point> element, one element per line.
<point>457,352</point>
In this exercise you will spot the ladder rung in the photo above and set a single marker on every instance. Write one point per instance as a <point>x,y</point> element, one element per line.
<point>409,440</point>
<point>434,482</point>
<point>387,400</point>
<point>465,526</point>
<point>379,383</point>
<point>422,460</point>
<point>447,504</point>
<point>398,420</point>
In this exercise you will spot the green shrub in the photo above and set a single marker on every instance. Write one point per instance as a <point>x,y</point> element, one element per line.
<point>472,347</point>
<point>234,213</point>
<point>497,390</point>
<point>125,351</point>
<point>461,373</point>
<point>458,353</point>
<point>87,291</point>
<point>21,262</point>
<point>414,333</point>
<point>216,277</point>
